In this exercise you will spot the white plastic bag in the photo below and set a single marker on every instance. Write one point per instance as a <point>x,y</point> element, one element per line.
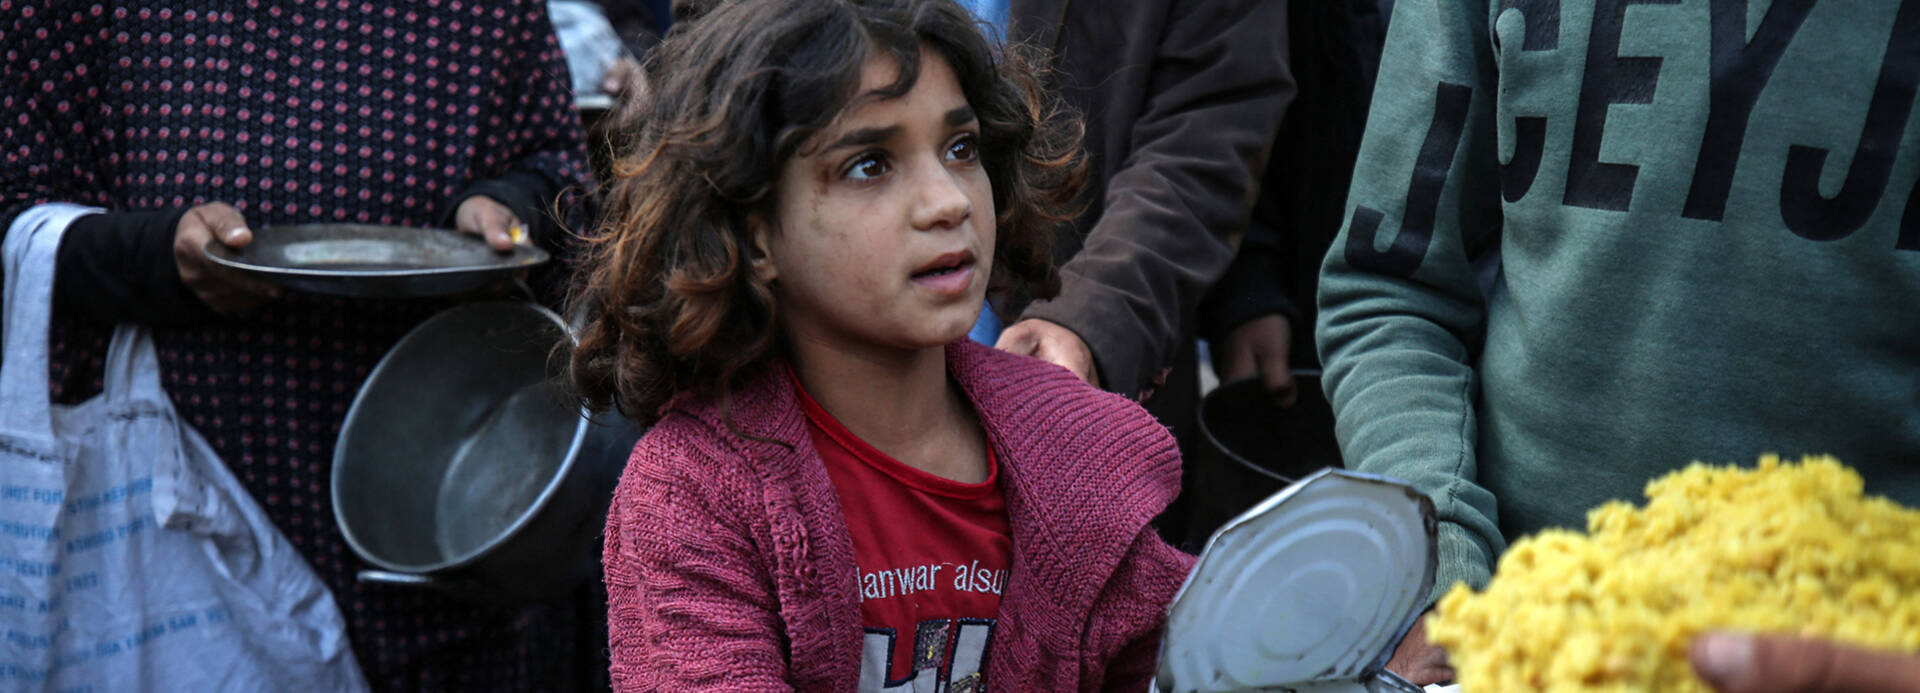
<point>591,46</point>
<point>131,559</point>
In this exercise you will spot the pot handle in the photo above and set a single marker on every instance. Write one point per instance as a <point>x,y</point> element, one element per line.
<point>463,588</point>
<point>388,577</point>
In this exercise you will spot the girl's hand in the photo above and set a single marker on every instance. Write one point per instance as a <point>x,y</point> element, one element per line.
<point>1741,663</point>
<point>1051,343</point>
<point>225,289</point>
<point>485,217</point>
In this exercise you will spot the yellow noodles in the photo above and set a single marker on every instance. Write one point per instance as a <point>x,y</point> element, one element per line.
<point>1787,548</point>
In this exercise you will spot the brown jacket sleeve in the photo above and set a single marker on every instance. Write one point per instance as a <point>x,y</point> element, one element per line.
<point>1182,98</point>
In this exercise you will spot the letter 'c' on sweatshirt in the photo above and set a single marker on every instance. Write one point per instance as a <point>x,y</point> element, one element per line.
<point>1530,132</point>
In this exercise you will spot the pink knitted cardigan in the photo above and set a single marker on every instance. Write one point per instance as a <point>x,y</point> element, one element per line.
<point>729,566</point>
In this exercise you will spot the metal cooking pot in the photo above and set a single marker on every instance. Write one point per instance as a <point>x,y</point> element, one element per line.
<point>463,464</point>
<point>1250,447</point>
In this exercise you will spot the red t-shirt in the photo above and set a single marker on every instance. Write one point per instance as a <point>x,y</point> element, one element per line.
<point>933,556</point>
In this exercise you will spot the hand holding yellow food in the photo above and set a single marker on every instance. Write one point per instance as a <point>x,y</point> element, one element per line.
<point>1745,663</point>
<point>1782,548</point>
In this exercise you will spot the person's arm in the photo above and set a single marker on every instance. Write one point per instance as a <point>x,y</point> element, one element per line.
<point>1400,312</point>
<point>1249,319</point>
<point>689,604</point>
<point>533,139</point>
<point>1124,629</point>
<point>492,207</point>
<point>1219,86</point>
<point>118,266</point>
<point>40,164</point>
<point>1252,286</point>
<point>149,267</point>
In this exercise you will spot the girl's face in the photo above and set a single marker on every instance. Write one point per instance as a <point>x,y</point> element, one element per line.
<point>886,224</point>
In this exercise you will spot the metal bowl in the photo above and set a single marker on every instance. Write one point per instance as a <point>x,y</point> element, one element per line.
<point>464,464</point>
<point>1249,447</point>
<point>374,261</point>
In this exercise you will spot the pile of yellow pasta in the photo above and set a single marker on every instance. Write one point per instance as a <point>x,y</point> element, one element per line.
<point>1786,548</point>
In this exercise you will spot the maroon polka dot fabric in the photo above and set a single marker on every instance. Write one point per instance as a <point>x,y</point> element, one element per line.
<point>299,111</point>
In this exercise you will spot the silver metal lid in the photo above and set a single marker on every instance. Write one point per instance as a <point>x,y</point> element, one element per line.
<point>1314,585</point>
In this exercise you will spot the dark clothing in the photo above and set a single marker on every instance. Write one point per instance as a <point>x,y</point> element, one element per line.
<point>1181,98</point>
<point>119,266</point>
<point>640,23</point>
<point>296,111</point>
<point>1334,53</point>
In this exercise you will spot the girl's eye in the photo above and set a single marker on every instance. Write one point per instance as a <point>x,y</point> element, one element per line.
<point>867,167</point>
<point>964,149</point>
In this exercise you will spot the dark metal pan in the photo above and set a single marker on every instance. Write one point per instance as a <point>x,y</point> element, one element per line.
<point>1250,447</point>
<point>465,466</point>
<point>374,261</point>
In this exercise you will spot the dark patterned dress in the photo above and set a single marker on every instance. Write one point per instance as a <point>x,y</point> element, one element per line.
<point>300,111</point>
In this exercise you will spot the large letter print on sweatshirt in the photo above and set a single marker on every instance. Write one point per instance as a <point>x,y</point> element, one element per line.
<point>1741,69</point>
<point>1826,219</point>
<point>1609,79</point>
<point>1423,193</point>
<point>1530,132</point>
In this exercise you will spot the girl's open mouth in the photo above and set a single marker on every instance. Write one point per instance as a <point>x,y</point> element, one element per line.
<point>951,273</point>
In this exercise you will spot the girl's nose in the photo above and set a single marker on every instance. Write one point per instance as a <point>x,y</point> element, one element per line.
<point>940,200</point>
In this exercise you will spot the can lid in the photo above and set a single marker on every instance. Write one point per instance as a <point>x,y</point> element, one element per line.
<point>1316,583</point>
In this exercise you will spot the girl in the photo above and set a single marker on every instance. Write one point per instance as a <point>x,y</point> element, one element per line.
<point>839,492</point>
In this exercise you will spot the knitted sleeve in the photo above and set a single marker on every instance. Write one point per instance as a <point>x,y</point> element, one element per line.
<point>1400,311</point>
<point>1123,631</point>
<point>690,604</point>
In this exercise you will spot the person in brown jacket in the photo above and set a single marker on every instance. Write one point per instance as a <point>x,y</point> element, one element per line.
<point>1181,99</point>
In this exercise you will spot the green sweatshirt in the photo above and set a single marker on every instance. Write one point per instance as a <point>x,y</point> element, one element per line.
<point>1709,237</point>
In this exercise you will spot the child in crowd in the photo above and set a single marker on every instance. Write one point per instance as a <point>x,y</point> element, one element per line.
<point>839,491</point>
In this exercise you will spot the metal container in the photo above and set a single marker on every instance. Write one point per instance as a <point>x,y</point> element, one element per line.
<point>1310,590</point>
<point>1250,447</point>
<point>374,261</point>
<point>463,464</point>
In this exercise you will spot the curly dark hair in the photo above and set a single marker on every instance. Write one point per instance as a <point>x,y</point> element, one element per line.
<point>670,298</point>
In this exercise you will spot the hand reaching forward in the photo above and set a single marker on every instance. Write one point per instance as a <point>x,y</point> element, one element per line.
<point>225,289</point>
<point>1052,343</point>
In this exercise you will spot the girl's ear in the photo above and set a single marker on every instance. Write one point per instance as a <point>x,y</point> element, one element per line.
<point>759,252</point>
